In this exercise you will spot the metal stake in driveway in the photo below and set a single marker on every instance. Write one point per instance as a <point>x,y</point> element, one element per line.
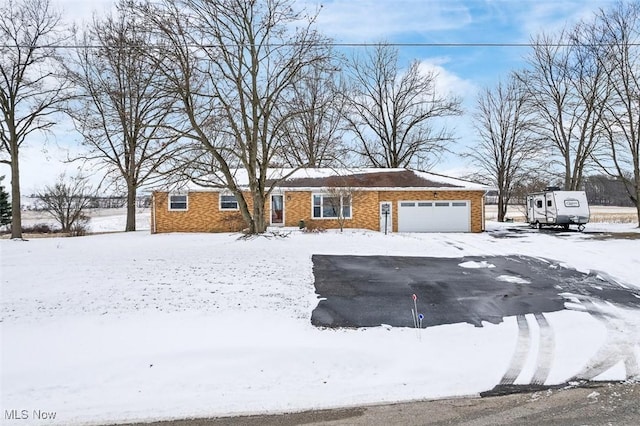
<point>414,311</point>
<point>417,318</point>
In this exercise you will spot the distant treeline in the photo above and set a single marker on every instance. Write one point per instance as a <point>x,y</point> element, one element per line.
<point>606,191</point>
<point>601,190</point>
<point>103,202</point>
<point>116,202</point>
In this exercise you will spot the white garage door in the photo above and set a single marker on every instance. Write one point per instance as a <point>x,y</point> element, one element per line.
<point>434,216</point>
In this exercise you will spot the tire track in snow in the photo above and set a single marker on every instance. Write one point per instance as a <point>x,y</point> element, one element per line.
<point>471,247</point>
<point>544,358</point>
<point>616,348</point>
<point>546,349</point>
<point>520,355</point>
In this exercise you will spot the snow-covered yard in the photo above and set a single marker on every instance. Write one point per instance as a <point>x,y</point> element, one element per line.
<point>122,327</point>
<point>102,220</point>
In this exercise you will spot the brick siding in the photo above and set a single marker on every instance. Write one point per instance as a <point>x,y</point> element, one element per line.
<point>204,215</point>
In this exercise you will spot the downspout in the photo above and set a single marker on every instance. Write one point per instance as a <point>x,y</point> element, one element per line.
<point>153,213</point>
<point>483,212</point>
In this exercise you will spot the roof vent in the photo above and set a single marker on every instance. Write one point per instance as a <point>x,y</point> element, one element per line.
<point>552,188</point>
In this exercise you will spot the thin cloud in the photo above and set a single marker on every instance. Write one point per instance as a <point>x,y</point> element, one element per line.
<point>372,20</point>
<point>82,10</point>
<point>469,21</point>
<point>448,83</point>
<point>530,17</point>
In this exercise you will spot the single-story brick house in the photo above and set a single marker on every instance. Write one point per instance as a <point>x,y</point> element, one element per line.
<point>395,200</point>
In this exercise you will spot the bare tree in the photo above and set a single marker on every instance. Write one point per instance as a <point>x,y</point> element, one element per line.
<point>568,89</point>
<point>123,103</point>
<point>234,65</point>
<point>621,57</point>
<point>507,143</point>
<point>533,181</point>
<point>314,137</point>
<point>67,202</point>
<point>392,112</point>
<point>607,190</point>
<point>339,200</point>
<point>30,89</point>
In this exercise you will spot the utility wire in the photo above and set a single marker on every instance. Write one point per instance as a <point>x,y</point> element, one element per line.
<point>209,46</point>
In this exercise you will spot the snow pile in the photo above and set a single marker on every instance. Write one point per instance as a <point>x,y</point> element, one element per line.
<point>512,279</point>
<point>474,265</point>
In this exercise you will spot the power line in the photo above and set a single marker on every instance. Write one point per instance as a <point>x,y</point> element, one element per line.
<point>473,44</point>
<point>330,44</point>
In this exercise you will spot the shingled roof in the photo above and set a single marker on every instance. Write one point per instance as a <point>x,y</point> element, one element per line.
<point>382,179</point>
<point>344,177</point>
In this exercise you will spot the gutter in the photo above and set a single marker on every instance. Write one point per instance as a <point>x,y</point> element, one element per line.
<point>367,188</point>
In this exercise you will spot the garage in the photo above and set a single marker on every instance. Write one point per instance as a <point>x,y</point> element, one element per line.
<point>434,216</point>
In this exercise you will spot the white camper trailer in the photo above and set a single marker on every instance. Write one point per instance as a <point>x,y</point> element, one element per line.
<point>553,207</point>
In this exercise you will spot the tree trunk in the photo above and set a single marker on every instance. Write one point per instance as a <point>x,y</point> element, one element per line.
<point>16,212</point>
<point>637,202</point>
<point>259,222</point>
<point>502,209</point>
<point>567,173</point>
<point>636,173</point>
<point>131,208</point>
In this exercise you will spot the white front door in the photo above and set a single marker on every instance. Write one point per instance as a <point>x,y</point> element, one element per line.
<point>386,218</point>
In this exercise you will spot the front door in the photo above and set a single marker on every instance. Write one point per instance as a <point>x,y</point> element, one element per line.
<point>277,209</point>
<point>386,218</point>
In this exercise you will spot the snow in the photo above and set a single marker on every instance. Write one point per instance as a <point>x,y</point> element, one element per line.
<point>242,179</point>
<point>102,220</point>
<point>138,327</point>
<point>434,177</point>
<point>512,279</point>
<point>476,265</point>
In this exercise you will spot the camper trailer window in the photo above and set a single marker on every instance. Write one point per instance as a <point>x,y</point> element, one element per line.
<point>549,203</point>
<point>571,203</point>
<point>539,204</point>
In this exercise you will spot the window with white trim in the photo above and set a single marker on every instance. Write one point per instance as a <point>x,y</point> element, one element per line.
<point>178,202</point>
<point>326,206</point>
<point>228,202</point>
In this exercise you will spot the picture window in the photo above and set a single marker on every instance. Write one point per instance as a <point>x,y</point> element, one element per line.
<point>329,206</point>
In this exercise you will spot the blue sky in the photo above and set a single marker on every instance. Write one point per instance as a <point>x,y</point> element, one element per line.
<point>454,21</point>
<point>462,70</point>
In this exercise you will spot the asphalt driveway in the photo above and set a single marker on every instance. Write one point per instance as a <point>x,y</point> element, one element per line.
<point>367,291</point>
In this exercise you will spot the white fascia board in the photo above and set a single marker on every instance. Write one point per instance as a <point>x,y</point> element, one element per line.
<point>384,188</point>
